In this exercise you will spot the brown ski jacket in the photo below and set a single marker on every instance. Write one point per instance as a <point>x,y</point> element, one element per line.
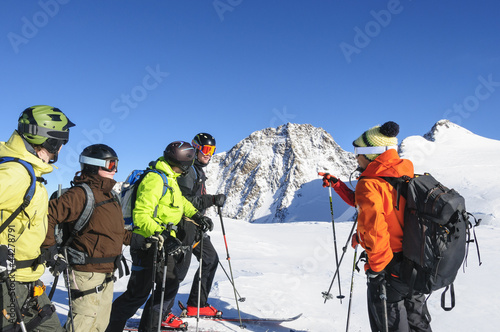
<point>104,234</point>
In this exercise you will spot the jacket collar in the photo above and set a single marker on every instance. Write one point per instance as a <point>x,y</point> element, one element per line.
<point>16,147</point>
<point>95,181</point>
<point>162,165</point>
<point>389,164</point>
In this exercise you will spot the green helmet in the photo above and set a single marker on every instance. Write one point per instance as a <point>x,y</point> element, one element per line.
<point>46,126</point>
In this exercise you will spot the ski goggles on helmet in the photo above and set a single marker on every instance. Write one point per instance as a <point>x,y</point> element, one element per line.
<point>205,149</point>
<point>108,165</point>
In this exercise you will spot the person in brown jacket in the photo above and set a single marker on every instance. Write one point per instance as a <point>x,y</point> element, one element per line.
<point>95,251</point>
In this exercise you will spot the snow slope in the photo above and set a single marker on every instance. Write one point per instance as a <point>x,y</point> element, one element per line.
<point>282,268</point>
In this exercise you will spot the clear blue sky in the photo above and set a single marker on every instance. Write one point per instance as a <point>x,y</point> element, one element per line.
<point>137,75</point>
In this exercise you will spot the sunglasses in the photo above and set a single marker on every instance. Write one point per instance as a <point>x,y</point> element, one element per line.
<point>205,149</point>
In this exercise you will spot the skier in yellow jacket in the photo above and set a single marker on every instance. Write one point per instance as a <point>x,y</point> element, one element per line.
<point>155,216</point>
<point>42,131</point>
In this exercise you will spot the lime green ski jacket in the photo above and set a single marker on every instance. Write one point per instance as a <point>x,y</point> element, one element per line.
<point>152,212</point>
<point>28,230</point>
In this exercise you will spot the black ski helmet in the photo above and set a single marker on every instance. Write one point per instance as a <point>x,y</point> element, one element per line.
<point>98,155</point>
<point>205,143</point>
<point>45,126</point>
<point>180,154</point>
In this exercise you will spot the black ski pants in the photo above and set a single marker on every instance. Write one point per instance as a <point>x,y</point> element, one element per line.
<point>139,288</point>
<point>209,266</point>
<point>404,313</point>
<point>190,234</point>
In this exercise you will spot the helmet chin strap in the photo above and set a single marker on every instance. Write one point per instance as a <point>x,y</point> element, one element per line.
<point>53,160</point>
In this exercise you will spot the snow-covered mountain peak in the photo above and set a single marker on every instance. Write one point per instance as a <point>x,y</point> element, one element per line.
<point>263,173</point>
<point>444,128</point>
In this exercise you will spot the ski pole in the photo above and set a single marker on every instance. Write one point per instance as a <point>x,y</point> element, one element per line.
<point>241,299</point>
<point>66,272</point>
<point>53,287</point>
<point>229,262</point>
<point>327,295</point>
<point>56,278</point>
<point>352,286</point>
<point>199,282</point>
<point>383,297</point>
<point>68,286</point>
<point>162,296</point>
<point>11,288</point>
<point>340,296</point>
<point>153,283</point>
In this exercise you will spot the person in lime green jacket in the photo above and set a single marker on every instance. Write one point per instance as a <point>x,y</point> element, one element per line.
<point>42,131</point>
<point>155,218</point>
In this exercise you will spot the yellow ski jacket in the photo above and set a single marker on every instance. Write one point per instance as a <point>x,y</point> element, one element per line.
<point>28,230</point>
<point>152,212</point>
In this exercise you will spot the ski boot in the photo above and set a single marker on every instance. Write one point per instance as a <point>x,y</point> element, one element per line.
<point>207,311</point>
<point>173,322</point>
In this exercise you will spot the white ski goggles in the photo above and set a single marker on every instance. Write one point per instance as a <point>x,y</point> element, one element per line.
<point>373,149</point>
<point>109,165</point>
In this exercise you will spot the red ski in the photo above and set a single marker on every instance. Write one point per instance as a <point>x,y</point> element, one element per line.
<point>248,320</point>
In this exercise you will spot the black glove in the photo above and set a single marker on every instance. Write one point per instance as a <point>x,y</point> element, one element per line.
<point>172,245</point>
<point>55,261</point>
<point>219,199</point>
<point>205,223</point>
<point>375,278</point>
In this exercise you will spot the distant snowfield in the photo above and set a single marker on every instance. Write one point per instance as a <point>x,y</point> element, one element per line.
<point>282,269</point>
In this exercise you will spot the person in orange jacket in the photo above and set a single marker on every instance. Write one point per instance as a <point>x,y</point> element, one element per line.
<point>380,231</point>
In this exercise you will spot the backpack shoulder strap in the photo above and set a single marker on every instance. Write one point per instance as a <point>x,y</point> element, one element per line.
<point>163,176</point>
<point>85,215</point>
<point>197,176</point>
<point>400,184</point>
<point>28,195</point>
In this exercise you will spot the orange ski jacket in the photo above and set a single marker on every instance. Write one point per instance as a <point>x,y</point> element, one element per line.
<point>380,225</point>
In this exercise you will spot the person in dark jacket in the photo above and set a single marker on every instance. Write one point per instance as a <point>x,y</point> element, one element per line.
<point>96,251</point>
<point>193,188</point>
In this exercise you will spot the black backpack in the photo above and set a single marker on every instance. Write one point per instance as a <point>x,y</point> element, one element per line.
<point>436,234</point>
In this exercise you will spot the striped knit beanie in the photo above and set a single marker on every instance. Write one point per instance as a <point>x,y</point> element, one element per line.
<point>383,137</point>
